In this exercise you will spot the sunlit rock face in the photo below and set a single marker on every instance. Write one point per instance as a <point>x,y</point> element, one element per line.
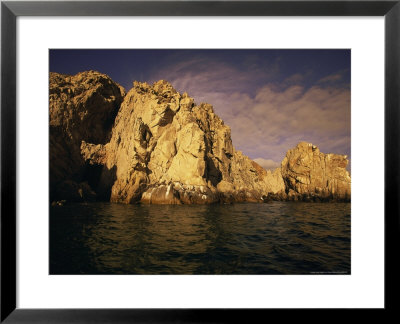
<point>81,107</point>
<point>154,145</point>
<point>165,149</point>
<point>308,173</point>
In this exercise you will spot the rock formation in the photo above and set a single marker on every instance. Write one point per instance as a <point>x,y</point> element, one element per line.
<point>82,107</point>
<point>166,149</point>
<point>310,174</point>
<point>156,146</point>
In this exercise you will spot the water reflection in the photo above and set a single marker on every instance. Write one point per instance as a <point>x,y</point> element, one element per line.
<point>282,237</point>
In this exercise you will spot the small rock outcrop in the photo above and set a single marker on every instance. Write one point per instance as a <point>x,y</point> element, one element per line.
<point>311,175</point>
<point>154,145</point>
<point>81,107</point>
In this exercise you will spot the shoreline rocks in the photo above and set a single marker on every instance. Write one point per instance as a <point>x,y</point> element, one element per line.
<point>154,145</point>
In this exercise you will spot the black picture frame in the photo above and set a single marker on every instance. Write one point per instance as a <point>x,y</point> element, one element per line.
<point>10,10</point>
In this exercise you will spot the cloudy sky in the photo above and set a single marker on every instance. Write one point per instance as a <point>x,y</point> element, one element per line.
<point>271,99</point>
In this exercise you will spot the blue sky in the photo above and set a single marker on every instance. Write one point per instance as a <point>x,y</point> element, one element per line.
<point>271,99</point>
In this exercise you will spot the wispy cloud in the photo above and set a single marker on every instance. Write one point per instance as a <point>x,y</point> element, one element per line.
<point>334,78</point>
<point>267,164</point>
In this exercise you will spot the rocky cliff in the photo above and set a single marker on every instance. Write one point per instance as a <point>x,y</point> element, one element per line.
<point>166,149</point>
<point>81,107</point>
<point>156,146</point>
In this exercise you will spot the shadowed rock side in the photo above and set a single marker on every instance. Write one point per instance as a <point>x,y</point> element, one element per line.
<point>165,149</point>
<point>82,107</point>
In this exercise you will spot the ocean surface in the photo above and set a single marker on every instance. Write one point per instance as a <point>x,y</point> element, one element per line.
<point>250,238</point>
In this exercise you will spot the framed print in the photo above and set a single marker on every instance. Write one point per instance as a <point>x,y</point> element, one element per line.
<point>199,161</point>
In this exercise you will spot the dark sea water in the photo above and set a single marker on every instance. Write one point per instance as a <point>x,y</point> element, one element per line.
<point>276,238</point>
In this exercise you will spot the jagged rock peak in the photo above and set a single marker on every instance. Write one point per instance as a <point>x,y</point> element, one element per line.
<point>160,87</point>
<point>81,81</point>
